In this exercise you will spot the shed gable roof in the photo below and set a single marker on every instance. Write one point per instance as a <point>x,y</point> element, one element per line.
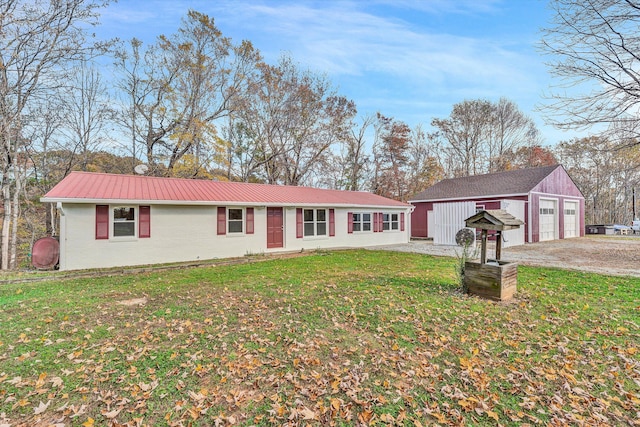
<point>86,187</point>
<point>514,182</point>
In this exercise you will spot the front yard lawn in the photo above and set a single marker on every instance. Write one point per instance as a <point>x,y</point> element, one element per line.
<point>333,338</point>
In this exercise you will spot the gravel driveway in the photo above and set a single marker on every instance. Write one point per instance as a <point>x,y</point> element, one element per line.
<point>616,255</point>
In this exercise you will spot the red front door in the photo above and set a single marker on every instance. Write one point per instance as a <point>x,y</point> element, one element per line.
<point>274,228</point>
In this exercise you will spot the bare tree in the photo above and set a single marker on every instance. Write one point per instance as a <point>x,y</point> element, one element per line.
<point>423,166</point>
<point>39,39</point>
<point>605,174</point>
<point>353,158</point>
<point>291,118</point>
<point>390,148</point>
<point>87,114</point>
<point>42,135</point>
<point>178,88</point>
<point>465,131</point>
<point>243,159</point>
<point>478,135</point>
<point>593,48</point>
<point>508,130</point>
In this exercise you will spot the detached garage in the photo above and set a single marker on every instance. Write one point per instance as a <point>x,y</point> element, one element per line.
<point>546,199</point>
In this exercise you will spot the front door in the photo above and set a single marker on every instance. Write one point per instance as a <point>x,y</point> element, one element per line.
<point>274,228</point>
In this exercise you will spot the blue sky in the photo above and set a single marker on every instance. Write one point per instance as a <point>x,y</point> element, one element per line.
<point>408,59</point>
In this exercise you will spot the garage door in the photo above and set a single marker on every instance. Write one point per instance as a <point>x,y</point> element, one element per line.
<point>570,219</point>
<point>547,219</point>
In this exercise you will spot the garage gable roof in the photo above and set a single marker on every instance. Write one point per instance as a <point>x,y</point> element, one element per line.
<point>516,182</point>
<point>85,187</point>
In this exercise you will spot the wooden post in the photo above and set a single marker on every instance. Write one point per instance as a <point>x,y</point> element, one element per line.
<point>483,253</point>
<point>498,244</point>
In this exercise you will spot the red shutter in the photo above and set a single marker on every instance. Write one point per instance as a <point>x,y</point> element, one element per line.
<point>299,223</point>
<point>249,220</point>
<point>375,222</point>
<point>222,220</point>
<point>102,221</point>
<point>349,222</point>
<point>144,222</point>
<point>332,222</point>
<point>380,228</point>
<point>401,221</point>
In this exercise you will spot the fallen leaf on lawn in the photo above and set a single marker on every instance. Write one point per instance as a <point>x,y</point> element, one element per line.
<point>112,414</point>
<point>41,408</point>
<point>308,414</point>
<point>56,381</point>
<point>335,404</point>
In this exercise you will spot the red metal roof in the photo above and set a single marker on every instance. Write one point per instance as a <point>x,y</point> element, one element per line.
<point>79,187</point>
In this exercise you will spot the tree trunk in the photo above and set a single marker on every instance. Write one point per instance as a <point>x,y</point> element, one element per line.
<point>13,250</point>
<point>6,222</point>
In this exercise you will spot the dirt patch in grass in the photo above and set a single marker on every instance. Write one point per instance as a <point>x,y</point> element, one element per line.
<point>133,301</point>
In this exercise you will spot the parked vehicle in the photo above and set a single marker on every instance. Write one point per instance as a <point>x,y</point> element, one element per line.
<point>635,226</point>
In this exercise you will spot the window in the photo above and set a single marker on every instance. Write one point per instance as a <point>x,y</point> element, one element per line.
<point>390,222</point>
<point>547,211</point>
<point>569,211</point>
<point>361,221</point>
<point>315,222</point>
<point>124,221</point>
<point>235,221</point>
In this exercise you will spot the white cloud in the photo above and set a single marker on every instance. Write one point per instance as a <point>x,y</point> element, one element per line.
<point>380,52</point>
<point>341,38</point>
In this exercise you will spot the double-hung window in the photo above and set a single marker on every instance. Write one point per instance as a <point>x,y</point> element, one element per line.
<point>124,221</point>
<point>361,221</point>
<point>315,222</point>
<point>235,220</point>
<point>390,221</point>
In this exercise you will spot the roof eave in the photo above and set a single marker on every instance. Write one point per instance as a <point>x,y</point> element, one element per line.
<point>469,198</point>
<point>215,203</point>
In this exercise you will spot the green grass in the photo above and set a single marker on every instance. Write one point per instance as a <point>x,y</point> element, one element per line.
<point>333,338</point>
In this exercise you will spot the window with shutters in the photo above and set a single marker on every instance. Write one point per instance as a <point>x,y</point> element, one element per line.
<point>361,221</point>
<point>235,221</point>
<point>123,222</point>
<point>315,222</point>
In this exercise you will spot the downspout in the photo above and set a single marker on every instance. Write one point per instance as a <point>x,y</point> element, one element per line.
<point>530,221</point>
<point>62,237</point>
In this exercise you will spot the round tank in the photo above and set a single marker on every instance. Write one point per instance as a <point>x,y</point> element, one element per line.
<point>45,253</point>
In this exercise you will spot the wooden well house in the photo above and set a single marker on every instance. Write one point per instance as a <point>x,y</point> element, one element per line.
<point>494,279</point>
